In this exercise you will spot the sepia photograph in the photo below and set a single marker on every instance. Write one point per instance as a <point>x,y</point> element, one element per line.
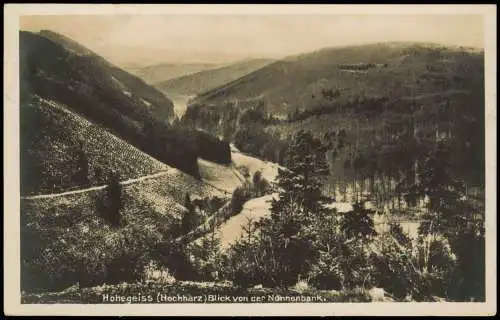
<point>250,159</point>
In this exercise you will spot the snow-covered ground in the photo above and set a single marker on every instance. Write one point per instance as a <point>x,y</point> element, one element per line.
<point>227,177</point>
<point>255,209</point>
<point>232,230</point>
<point>221,176</point>
<point>180,104</point>
<point>380,221</point>
<point>341,207</point>
<point>409,227</point>
<point>268,169</point>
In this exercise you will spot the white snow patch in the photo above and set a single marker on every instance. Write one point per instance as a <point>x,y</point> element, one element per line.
<point>118,83</point>
<point>180,104</point>
<point>354,71</point>
<point>342,207</point>
<point>127,93</point>
<point>233,148</point>
<point>370,205</point>
<point>147,103</point>
<point>85,229</point>
<point>377,294</point>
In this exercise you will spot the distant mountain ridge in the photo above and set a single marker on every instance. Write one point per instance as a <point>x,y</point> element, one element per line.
<point>205,80</point>
<point>165,71</point>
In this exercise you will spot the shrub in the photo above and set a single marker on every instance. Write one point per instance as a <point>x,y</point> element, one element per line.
<point>242,265</point>
<point>260,184</point>
<point>209,205</point>
<point>190,219</point>
<point>239,197</point>
<point>244,171</point>
<point>436,263</point>
<point>110,204</point>
<point>420,270</point>
<point>327,273</point>
<point>154,271</point>
<point>67,243</point>
<point>358,223</point>
<point>393,269</point>
<point>397,232</point>
<point>244,260</point>
<point>205,257</point>
<point>468,279</point>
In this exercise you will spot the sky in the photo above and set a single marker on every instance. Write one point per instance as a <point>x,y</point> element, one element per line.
<point>149,39</point>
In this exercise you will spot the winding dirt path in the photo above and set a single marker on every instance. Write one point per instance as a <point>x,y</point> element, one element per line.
<point>126,182</point>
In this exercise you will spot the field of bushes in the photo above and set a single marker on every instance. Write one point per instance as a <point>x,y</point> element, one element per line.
<point>62,234</point>
<point>161,292</point>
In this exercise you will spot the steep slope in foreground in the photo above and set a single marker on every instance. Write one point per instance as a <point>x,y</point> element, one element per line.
<point>56,141</point>
<point>342,74</point>
<point>205,80</point>
<point>63,151</point>
<point>66,238</point>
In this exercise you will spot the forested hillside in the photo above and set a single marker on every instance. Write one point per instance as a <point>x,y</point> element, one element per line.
<point>393,70</point>
<point>60,70</point>
<point>381,108</point>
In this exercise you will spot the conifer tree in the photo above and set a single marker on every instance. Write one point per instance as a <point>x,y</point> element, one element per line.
<point>442,190</point>
<point>288,234</point>
<point>358,223</point>
<point>306,161</point>
<point>113,201</point>
<point>189,218</point>
<point>245,258</point>
<point>207,254</point>
<point>452,215</point>
<point>82,166</point>
<point>257,176</point>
